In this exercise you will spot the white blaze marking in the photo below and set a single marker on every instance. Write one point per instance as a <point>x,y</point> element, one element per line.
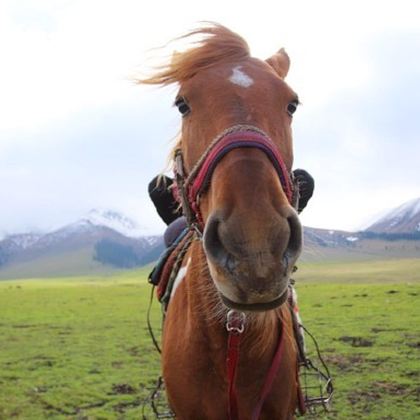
<point>180,276</point>
<point>240,78</point>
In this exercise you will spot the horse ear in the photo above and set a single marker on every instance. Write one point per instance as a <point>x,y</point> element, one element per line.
<point>280,62</point>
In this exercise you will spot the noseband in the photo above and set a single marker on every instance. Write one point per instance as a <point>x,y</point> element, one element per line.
<point>190,187</point>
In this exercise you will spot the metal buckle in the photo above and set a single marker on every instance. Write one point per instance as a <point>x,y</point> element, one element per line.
<point>235,322</point>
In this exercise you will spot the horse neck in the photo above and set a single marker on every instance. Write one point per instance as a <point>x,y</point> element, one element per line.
<point>206,310</point>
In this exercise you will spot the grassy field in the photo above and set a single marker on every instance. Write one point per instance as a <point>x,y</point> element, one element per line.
<point>78,347</point>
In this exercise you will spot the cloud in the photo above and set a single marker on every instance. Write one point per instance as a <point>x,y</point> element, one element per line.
<point>75,133</point>
<point>366,154</point>
<point>104,158</point>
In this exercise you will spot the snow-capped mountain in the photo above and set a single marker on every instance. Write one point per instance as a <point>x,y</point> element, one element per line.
<point>100,220</point>
<point>22,240</point>
<point>102,238</point>
<point>93,222</point>
<point>115,221</point>
<point>402,219</point>
<point>105,240</point>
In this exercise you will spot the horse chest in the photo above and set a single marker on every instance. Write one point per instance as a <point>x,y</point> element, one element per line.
<point>196,379</point>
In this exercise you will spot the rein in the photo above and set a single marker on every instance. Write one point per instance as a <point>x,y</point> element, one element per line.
<point>235,325</point>
<point>190,187</point>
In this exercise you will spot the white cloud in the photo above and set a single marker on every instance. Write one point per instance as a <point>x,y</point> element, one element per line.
<point>64,75</point>
<point>60,57</point>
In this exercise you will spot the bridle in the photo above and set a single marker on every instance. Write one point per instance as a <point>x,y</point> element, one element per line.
<point>190,187</point>
<point>188,190</point>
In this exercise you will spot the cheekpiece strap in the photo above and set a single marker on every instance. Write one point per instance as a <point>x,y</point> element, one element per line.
<point>180,192</point>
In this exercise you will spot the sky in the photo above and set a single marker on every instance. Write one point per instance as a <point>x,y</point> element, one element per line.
<point>76,133</point>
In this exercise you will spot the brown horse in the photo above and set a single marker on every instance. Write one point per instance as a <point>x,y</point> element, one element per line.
<point>233,164</point>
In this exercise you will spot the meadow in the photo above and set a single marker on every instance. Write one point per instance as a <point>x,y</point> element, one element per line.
<point>78,347</point>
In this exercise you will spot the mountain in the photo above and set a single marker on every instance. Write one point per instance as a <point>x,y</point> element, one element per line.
<point>115,221</point>
<point>98,243</point>
<point>105,240</point>
<point>333,245</point>
<point>396,234</point>
<point>404,219</point>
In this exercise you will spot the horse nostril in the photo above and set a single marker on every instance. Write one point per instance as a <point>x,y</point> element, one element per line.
<point>213,245</point>
<point>294,245</point>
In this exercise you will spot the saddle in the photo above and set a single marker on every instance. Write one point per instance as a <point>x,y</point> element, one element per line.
<point>166,269</point>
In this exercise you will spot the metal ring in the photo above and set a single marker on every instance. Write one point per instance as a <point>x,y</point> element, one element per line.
<point>235,321</point>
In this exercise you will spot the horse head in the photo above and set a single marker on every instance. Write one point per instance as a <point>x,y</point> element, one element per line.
<point>236,140</point>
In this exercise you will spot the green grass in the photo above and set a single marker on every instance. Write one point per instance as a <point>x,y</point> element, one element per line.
<point>79,348</point>
<point>57,264</point>
<point>373,271</point>
<point>76,347</point>
<point>370,337</point>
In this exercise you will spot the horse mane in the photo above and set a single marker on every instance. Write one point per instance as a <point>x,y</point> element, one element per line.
<point>216,43</point>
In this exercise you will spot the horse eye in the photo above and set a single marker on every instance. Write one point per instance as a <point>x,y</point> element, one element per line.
<point>292,107</point>
<point>182,106</point>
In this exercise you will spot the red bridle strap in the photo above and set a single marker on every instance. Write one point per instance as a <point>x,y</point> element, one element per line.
<point>235,325</point>
<point>197,182</point>
<point>271,375</point>
<point>234,341</point>
<point>235,140</point>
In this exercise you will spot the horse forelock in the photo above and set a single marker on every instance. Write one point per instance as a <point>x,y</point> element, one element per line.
<point>215,44</point>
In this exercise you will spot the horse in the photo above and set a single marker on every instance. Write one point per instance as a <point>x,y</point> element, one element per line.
<point>228,345</point>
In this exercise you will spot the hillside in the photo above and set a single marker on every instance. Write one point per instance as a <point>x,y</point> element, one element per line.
<point>402,219</point>
<point>100,243</point>
<point>105,241</point>
<point>333,245</point>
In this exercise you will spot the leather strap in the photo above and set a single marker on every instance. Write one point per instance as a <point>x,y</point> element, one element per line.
<point>234,341</point>
<point>271,375</point>
<point>188,188</point>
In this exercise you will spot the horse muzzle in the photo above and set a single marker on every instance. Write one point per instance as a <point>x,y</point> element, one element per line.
<point>252,272</point>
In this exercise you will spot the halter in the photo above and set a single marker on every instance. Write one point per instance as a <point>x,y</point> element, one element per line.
<point>189,188</point>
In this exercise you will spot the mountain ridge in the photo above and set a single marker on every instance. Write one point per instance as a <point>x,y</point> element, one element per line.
<point>105,240</point>
<point>80,243</point>
<point>402,219</point>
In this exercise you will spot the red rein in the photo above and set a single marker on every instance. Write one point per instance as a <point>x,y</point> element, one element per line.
<point>235,326</point>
